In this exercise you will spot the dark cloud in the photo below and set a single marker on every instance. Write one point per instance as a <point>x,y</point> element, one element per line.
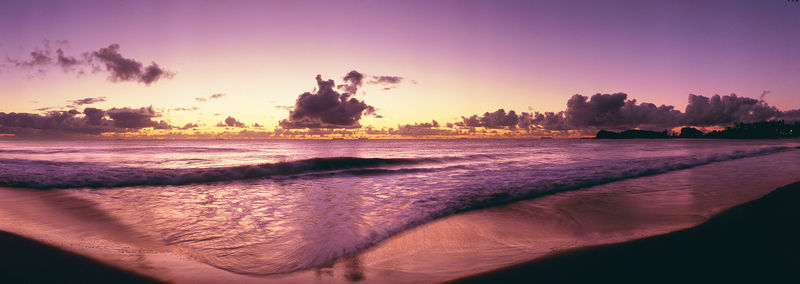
<point>615,111</point>
<point>38,58</point>
<point>189,126</point>
<point>497,119</point>
<point>386,80</point>
<point>704,111</point>
<point>326,109</point>
<point>91,121</point>
<point>120,68</point>
<point>353,80</point>
<point>87,101</point>
<point>126,69</point>
<point>52,122</point>
<point>133,118</point>
<point>389,82</point>
<point>231,122</point>
<point>421,129</point>
<point>66,62</point>
<point>93,116</point>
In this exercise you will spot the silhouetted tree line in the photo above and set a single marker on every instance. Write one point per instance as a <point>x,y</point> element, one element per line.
<point>740,130</point>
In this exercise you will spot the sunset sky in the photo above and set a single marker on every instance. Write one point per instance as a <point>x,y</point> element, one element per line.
<point>456,58</point>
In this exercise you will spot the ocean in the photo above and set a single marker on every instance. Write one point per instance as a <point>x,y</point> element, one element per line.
<point>272,207</point>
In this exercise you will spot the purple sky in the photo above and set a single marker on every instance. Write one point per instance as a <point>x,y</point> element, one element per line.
<point>465,56</point>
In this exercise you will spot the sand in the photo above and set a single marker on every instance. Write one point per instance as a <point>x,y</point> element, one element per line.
<point>754,242</point>
<point>28,261</point>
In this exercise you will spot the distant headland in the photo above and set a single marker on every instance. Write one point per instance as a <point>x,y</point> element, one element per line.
<point>757,130</point>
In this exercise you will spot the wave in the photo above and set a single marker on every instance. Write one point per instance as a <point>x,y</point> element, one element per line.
<point>46,174</point>
<point>39,174</point>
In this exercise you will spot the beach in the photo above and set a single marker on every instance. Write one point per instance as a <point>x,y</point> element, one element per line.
<point>408,217</point>
<point>755,242</point>
<point>751,242</point>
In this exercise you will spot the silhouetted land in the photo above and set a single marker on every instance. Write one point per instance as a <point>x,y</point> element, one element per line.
<point>757,130</point>
<point>756,242</point>
<point>28,261</point>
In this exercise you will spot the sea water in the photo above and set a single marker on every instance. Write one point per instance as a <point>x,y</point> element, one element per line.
<point>277,206</point>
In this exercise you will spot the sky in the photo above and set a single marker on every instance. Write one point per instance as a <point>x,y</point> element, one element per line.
<point>419,61</point>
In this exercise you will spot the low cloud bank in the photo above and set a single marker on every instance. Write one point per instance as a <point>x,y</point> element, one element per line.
<point>73,122</point>
<point>616,111</point>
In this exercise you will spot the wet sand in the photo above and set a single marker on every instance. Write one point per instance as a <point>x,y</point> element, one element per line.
<point>754,242</point>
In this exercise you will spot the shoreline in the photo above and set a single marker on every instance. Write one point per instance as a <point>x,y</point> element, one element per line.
<point>755,241</point>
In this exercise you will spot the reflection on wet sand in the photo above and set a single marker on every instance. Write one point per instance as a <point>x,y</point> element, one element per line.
<point>482,240</point>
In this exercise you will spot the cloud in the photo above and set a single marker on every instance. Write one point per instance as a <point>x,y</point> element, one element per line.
<point>421,129</point>
<point>66,62</point>
<point>326,109</point>
<point>189,126</point>
<point>86,101</point>
<point>616,111</point>
<point>184,109</point>
<point>386,80</point>
<point>389,82</point>
<point>91,121</point>
<point>704,111</point>
<point>126,69</point>
<point>38,58</point>
<point>132,118</point>
<point>214,96</point>
<point>231,122</point>
<point>93,116</point>
<point>121,69</point>
<point>497,119</point>
<point>353,80</point>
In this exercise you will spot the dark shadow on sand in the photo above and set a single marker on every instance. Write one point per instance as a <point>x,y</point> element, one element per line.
<point>28,261</point>
<point>756,242</point>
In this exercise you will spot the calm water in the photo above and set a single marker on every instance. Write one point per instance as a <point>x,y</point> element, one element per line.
<point>265,207</point>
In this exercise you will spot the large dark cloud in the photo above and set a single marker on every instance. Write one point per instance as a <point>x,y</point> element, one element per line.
<point>704,111</point>
<point>135,118</point>
<point>72,122</point>
<point>126,69</point>
<point>616,111</point>
<point>326,108</point>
